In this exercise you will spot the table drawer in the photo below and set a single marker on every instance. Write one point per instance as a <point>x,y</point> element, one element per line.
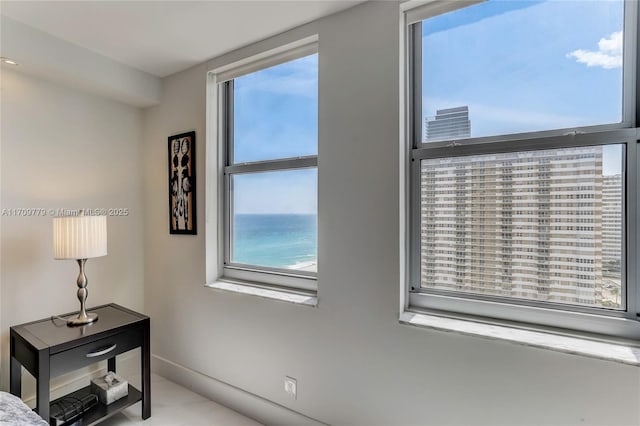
<point>95,351</point>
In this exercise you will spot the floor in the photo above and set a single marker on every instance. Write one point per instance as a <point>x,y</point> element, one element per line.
<point>174,405</point>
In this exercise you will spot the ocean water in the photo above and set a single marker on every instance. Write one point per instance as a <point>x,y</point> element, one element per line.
<point>276,240</point>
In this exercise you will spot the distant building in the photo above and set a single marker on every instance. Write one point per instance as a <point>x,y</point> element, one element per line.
<point>449,123</point>
<point>533,225</point>
<point>611,222</point>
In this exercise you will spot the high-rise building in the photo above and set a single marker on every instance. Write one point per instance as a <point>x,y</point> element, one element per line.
<point>611,223</point>
<point>525,225</point>
<point>449,123</point>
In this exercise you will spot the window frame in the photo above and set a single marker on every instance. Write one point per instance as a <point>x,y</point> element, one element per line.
<point>547,316</point>
<point>221,81</point>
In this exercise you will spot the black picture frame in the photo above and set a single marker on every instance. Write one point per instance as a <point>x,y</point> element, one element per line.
<point>182,184</point>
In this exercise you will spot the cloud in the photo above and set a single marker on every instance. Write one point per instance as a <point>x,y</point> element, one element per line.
<point>298,77</point>
<point>608,55</point>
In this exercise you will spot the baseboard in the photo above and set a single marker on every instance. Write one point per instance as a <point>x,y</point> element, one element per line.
<point>245,403</point>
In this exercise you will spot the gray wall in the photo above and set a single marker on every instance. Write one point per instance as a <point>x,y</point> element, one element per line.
<point>354,362</point>
<point>63,148</point>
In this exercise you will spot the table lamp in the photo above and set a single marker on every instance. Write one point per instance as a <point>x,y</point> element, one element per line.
<point>80,238</point>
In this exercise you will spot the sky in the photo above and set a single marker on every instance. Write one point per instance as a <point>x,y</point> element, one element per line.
<point>526,66</point>
<point>276,116</point>
<point>519,66</point>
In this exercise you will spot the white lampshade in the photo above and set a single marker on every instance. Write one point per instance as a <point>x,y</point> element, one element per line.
<point>79,237</point>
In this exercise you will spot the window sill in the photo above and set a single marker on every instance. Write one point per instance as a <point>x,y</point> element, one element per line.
<point>267,293</point>
<point>615,352</point>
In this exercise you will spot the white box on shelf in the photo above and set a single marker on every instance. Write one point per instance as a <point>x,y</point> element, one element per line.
<point>109,388</point>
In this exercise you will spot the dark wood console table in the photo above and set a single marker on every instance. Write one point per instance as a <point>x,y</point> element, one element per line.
<point>48,348</point>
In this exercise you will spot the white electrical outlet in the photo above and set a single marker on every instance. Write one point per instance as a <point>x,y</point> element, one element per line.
<point>291,387</point>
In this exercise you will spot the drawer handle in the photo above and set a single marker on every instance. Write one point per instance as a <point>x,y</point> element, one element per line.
<point>101,351</point>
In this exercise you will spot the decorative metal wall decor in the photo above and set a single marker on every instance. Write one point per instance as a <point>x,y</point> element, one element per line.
<point>182,184</point>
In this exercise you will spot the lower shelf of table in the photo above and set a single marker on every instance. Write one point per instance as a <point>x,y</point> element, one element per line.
<point>102,411</point>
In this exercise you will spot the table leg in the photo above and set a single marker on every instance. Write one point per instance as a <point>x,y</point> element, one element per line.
<point>42,384</point>
<point>145,354</point>
<point>15,377</point>
<point>111,364</point>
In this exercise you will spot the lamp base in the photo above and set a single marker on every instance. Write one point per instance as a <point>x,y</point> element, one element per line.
<point>79,320</point>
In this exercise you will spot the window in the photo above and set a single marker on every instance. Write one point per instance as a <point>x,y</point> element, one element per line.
<point>269,138</point>
<point>523,163</point>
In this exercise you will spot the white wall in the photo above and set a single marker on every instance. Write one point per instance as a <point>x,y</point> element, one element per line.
<point>62,148</point>
<point>354,362</point>
<point>44,56</point>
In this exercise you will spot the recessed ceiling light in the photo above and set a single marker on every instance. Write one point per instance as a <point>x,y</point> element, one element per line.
<point>8,61</point>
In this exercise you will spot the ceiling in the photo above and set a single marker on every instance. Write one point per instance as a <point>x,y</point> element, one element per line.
<point>164,37</point>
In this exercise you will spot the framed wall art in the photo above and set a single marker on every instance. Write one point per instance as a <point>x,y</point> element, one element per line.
<point>182,184</point>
